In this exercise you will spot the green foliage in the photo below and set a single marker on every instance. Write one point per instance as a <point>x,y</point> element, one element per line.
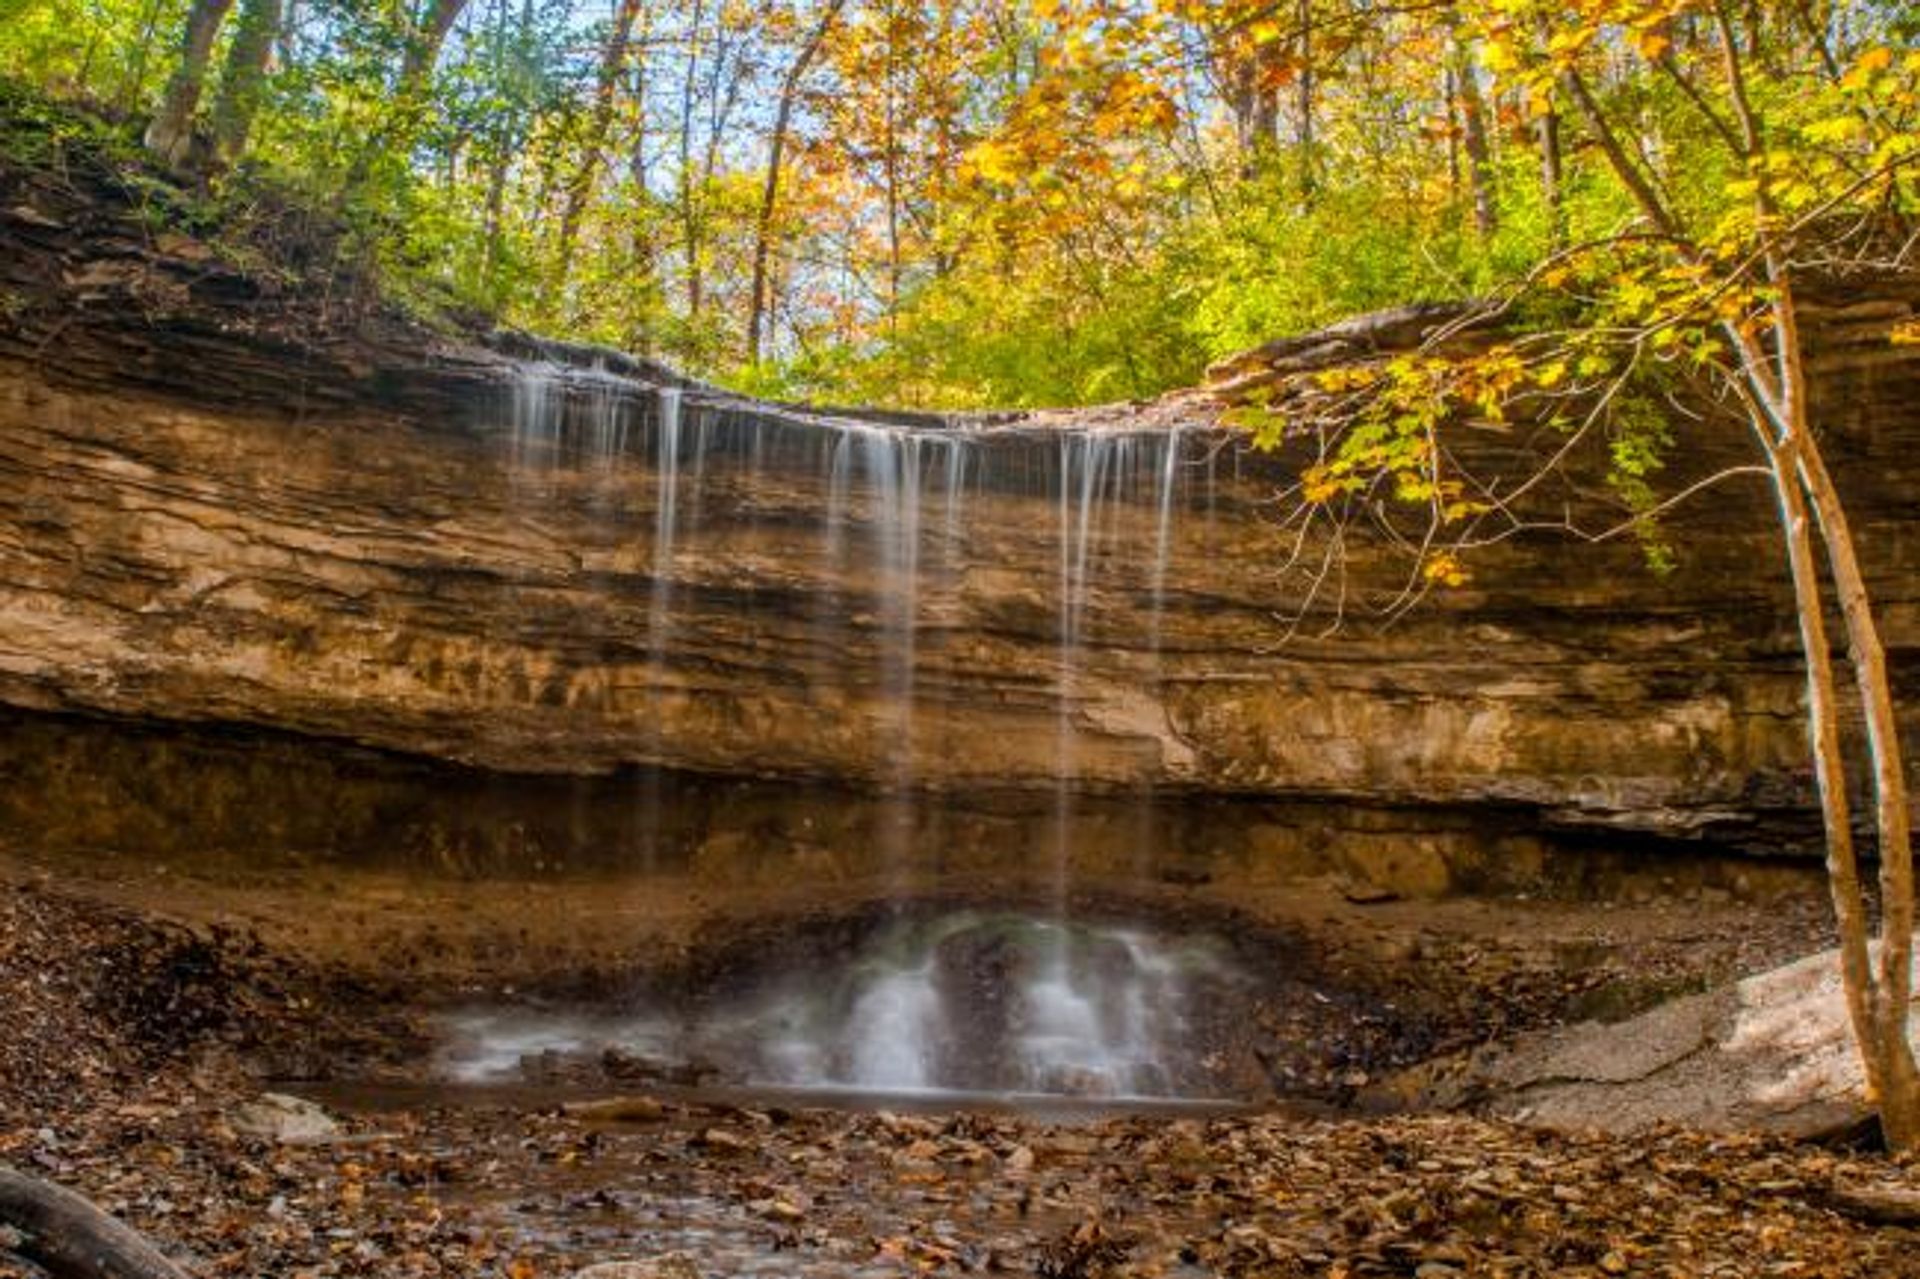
<point>977,211</point>
<point>1641,437</point>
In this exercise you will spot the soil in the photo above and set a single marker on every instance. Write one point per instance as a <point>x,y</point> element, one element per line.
<point>143,1011</point>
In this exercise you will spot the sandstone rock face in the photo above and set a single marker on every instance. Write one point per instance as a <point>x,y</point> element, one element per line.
<point>534,565</point>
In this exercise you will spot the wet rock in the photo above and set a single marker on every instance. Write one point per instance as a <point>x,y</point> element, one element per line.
<point>619,1110</point>
<point>782,1210</point>
<point>722,1141</point>
<point>1534,688</point>
<point>621,1066</point>
<point>284,1119</point>
<point>671,1265</point>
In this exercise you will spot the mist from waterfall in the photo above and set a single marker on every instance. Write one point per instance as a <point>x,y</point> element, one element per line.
<point>965,1003</point>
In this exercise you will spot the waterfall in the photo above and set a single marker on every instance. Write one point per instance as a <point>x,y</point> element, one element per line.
<point>1007,1004</point>
<point>902,513</point>
<point>666,504</point>
<point>534,416</point>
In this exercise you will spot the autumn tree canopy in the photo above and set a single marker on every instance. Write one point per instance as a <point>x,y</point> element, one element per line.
<point>952,202</point>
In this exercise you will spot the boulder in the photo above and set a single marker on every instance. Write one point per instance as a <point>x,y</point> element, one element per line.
<point>287,1120</point>
<point>1773,1052</point>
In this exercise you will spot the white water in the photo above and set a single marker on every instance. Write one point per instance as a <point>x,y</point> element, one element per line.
<point>968,1003</point>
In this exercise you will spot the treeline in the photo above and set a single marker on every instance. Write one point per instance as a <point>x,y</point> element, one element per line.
<point>937,201</point>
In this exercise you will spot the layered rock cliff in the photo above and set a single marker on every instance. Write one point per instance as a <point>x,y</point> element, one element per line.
<point>224,504</point>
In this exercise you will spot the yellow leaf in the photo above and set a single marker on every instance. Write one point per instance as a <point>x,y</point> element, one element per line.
<point>1444,568</point>
<point>1868,65</point>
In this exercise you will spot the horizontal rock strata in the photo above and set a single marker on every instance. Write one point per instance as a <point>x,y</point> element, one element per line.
<point>222,506</point>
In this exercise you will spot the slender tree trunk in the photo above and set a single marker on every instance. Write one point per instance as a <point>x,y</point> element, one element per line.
<point>1473,118</point>
<point>1889,991</point>
<point>170,134</point>
<point>243,82</point>
<point>1878,997</point>
<point>605,92</point>
<point>891,142</point>
<point>640,238</point>
<point>1309,182</point>
<point>1823,734</point>
<point>770,192</point>
<point>136,81</point>
<point>1546,131</point>
<point>689,214</point>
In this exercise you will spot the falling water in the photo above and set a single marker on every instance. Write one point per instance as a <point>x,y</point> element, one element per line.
<point>964,1003</point>
<point>535,414</point>
<point>888,493</point>
<point>666,470</point>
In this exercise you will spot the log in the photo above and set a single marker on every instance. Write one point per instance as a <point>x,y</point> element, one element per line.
<point>66,1236</point>
<point>1882,1205</point>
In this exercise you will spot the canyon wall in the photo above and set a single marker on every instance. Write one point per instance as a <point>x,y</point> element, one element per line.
<point>224,507</point>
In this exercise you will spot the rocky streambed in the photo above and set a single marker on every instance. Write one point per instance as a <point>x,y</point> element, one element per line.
<point>701,1189</point>
<point>357,679</point>
<point>147,1020</point>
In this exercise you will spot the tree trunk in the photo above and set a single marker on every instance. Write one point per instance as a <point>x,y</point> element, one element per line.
<point>1823,736</point>
<point>243,82</point>
<point>170,134</point>
<point>640,237</point>
<point>1547,132</point>
<point>605,91</point>
<point>136,81</point>
<point>689,213</point>
<point>770,193</point>
<point>426,40</point>
<point>1878,1001</point>
<point>1309,182</point>
<point>892,171</point>
<point>1890,991</point>
<point>69,1238</point>
<point>1473,117</point>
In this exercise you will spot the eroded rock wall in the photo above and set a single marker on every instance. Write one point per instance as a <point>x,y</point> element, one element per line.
<point>365,533</point>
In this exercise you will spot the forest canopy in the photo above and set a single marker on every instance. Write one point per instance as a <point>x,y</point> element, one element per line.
<point>958,202</point>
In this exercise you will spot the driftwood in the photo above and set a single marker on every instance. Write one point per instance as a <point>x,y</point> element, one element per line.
<point>1881,1205</point>
<point>69,1238</point>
